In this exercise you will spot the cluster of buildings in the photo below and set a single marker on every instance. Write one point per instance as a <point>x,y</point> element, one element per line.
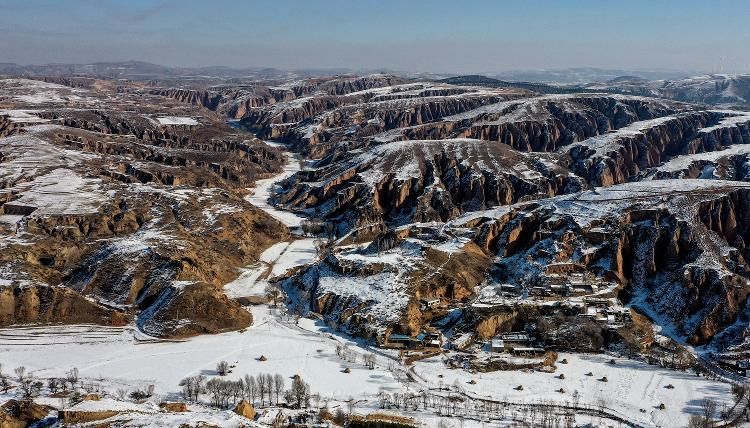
<point>548,287</point>
<point>737,365</point>
<point>603,311</point>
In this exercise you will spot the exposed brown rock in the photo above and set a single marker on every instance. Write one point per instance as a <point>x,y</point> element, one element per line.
<point>173,406</point>
<point>245,409</point>
<point>15,413</point>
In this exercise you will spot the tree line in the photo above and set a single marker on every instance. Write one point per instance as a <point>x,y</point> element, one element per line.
<point>262,390</point>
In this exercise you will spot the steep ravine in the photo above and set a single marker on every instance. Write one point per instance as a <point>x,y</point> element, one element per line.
<point>671,267</point>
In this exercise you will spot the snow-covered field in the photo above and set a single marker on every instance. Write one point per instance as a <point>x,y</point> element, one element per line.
<point>275,261</point>
<point>61,191</point>
<point>38,92</point>
<point>631,386</point>
<point>261,193</point>
<point>22,116</point>
<point>177,120</point>
<point>684,162</point>
<point>118,357</point>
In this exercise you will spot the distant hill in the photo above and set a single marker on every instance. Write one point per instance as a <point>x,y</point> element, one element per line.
<point>581,75</point>
<point>479,80</point>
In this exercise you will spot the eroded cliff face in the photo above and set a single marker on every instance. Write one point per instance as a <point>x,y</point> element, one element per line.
<point>370,291</point>
<point>677,257</point>
<point>618,157</point>
<point>134,255</point>
<point>421,181</point>
<point>509,168</point>
<point>45,304</point>
<point>544,124</point>
<point>164,154</point>
<point>318,121</point>
<point>422,111</point>
<point>728,217</point>
<point>683,273</point>
<point>526,148</point>
<point>110,214</point>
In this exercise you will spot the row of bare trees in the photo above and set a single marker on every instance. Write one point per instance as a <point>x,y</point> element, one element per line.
<point>263,389</point>
<point>349,355</point>
<point>31,387</point>
<point>707,416</point>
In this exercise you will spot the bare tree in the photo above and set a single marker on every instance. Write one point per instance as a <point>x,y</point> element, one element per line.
<point>192,387</point>
<point>262,388</point>
<point>52,385</point>
<point>270,387</point>
<point>72,377</point>
<point>222,368</point>
<point>278,383</point>
<point>370,361</point>
<point>20,373</point>
<point>725,413</point>
<point>739,392</point>
<point>122,393</point>
<point>273,293</point>
<point>397,400</point>
<point>696,421</point>
<point>74,398</point>
<point>30,387</point>
<point>299,394</point>
<point>214,389</point>
<point>251,389</point>
<point>708,410</point>
<point>222,392</point>
<point>237,389</point>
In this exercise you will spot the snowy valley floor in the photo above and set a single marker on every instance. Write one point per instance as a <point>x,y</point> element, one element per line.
<point>119,358</point>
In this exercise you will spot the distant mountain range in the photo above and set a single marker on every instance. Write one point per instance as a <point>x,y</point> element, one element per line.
<point>716,89</point>
<point>581,75</point>
<point>141,70</point>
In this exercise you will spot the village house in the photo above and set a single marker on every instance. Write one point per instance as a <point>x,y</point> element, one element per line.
<point>422,340</point>
<point>515,339</point>
<point>517,343</point>
<point>497,345</point>
<point>398,340</point>
<point>427,304</point>
<point>581,283</point>
<point>431,340</point>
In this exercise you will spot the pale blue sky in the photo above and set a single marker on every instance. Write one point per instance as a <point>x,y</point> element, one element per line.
<point>416,35</point>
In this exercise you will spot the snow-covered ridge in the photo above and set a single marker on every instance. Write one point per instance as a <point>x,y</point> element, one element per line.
<point>177,120</point>
<point>612,201</point>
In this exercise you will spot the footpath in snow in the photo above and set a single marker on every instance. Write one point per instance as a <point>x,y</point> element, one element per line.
<point>282,256</point>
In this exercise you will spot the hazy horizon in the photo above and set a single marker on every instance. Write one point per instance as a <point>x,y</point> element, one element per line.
<point>418,36</point>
